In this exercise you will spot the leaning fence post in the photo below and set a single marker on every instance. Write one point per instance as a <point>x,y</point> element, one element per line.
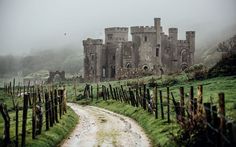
<point>112,94</point>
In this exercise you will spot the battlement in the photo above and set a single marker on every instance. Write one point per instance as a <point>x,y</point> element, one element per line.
<point>182,41</point>
<point>117,29</point>
<point>173,30</point>
<point>192,33</point>
<point>93,41</point>
<point>142,29</point>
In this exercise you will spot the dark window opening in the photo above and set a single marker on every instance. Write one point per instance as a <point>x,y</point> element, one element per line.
<point>157,52</point>
<point>113,71</point>
<point>109,36</point>
<point>145,68</point>
<point>158,45</point>
<point>128,65</point>
<point>114,57</point>
<point>145,38</point>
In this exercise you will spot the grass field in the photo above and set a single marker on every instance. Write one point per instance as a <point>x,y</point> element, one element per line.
<point>211,88</point>
<point>48,138</point>
<point>159,130</point>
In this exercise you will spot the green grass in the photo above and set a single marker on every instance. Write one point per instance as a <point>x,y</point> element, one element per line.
<point>47,138</point>
<point>158,130</point>
<point>211,88</point>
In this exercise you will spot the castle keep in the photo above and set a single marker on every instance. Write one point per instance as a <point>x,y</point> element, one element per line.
<point>151,51</point>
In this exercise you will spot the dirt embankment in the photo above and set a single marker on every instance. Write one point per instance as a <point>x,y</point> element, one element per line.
<point>100,127</point>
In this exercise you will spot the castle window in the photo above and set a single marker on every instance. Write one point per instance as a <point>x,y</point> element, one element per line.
<point>157,52</point>
<point>103,72</point>
<point>128,65</point>
<point>184,56</point>
<point>158,45</point>
<point>109,36</point>
<point>92,57</point>
<point>114,57</point>
<point>145,38</point>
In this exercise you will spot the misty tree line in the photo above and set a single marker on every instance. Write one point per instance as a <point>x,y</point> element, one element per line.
<point>68,60</point>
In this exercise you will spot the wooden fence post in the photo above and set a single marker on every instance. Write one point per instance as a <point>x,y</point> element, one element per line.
<point>56,104</point>
<point>191,96</point>
<point>182,109</point>
<point>156,102</point>
<point>24,119</point>
<point>161,103</point>
<point>112,94</point>
<point>47,110</point>
<point>17,124</point>
<point>222,115</point>
<point>64,100</point>
<point>144,97</point>
<point>52,106</point>
<point>137,97</point>
<point>200,98</point>
<point>97,91</point>
<point>34,116</point>
<point>108,95</point>
<point>91,92</point>
<point>5,115</point>
<point>168,105</point>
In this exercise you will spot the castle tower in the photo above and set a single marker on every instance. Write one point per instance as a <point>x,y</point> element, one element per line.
<point>116,34</point>
<point>157,50</point>
<point>173,34</point>
<point>173,37</point>
<point>92,59</point>
<point>190,38</point>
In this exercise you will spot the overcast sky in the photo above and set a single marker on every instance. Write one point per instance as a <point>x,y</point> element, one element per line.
<point>29,25</point>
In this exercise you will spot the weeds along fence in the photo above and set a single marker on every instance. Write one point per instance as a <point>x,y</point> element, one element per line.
<point>189,111</point>
<point>47,104</point>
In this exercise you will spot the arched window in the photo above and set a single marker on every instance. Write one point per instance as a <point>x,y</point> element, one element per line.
<point>128,65</point>
<point>184,56</point>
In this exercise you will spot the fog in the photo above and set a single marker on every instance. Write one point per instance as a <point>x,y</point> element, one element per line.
<point>30,25</point>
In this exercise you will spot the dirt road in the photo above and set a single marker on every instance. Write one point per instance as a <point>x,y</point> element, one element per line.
<point>100,127</point>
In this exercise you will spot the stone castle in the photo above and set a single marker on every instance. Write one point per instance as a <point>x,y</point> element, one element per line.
<point>151,51</point>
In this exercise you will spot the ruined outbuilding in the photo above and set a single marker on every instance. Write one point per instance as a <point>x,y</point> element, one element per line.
<point>150,51</point>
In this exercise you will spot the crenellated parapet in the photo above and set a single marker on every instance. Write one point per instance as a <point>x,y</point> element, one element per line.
<point>117,30</point>
<point>90,41</point>
<point>142,29</point>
